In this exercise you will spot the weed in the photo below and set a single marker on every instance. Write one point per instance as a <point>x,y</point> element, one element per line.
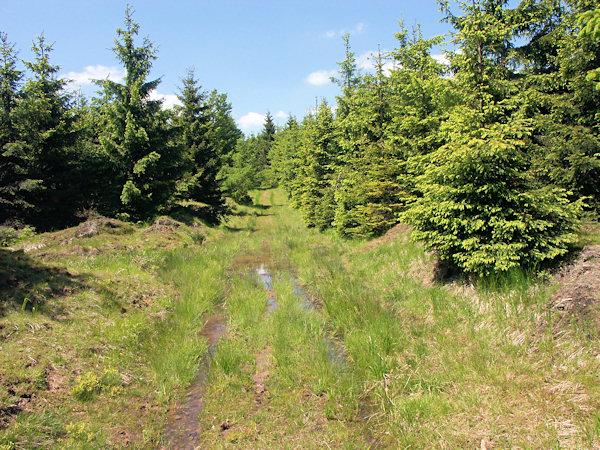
<point>87,387</point>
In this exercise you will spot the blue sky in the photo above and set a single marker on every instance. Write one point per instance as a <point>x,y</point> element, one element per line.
<point>267,55</point>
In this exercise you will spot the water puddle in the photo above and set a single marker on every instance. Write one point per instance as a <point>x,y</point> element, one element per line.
<point>335,351</point>
<point>305,301</point>
<point>182,422</point>
<point>267,281</point>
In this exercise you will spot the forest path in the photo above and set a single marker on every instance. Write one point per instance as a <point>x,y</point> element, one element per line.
<point>276,377</point>
<point>344,343</point>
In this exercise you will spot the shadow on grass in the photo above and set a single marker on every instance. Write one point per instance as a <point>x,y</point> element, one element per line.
<point>26,283</point>
<point>187,213</point>
<point>230,228</point>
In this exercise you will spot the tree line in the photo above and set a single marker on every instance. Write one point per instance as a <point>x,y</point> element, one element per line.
<point>492,157</point>
<point>120,154</point>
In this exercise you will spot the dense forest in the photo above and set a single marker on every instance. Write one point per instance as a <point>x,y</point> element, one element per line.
<point>491,155</point>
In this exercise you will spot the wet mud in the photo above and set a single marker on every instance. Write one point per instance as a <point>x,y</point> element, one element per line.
<point>182,422</point>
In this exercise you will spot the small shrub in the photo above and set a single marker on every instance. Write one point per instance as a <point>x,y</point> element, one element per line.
<point>197,237</point>
<point>87,387</point>
<point>79,432</point>
<point>10,235</point>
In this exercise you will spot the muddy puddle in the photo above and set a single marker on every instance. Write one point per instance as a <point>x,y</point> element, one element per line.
<point>335,352</point>
<point>267,281</point>
<point>305,300</point>
<point>182,422</point>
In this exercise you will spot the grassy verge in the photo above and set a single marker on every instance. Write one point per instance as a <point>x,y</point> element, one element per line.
<point>96,337</point>
<point>452,364</point>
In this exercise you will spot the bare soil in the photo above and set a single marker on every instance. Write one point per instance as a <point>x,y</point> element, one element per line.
<point>400,231</point>
<point>578,297</point>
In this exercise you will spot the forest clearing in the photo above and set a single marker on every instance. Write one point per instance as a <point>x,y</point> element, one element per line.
<point>263,333</point>
<point>412,263</point>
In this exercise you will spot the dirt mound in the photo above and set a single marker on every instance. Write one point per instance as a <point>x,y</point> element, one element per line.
<point>92,227</point>
<point>400,231</point>
<point>163,225</point>
<point>579,294</point>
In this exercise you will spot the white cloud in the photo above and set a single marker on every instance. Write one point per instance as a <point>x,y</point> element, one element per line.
<point>281,114</point>
<point>366,61</point>
<point>169,100</point>
<point>91,73</point>
<point>442,59</point>
<point>321,77</point>
<point>359,28</point>
<point>251,121</point>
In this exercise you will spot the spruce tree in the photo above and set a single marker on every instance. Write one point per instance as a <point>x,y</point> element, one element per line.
<point>201,160</point>
<point>265,143</point>
<point>368,195</point>
<point>314,187</point>
<point>44,120</point>
<point>480,209</point>
<point>590,29</point>
<point>223,132</point>
<point>245,170</point>
<point>11,170</point>
<point>284,156</point>
<point>136,136</point>
<point>558,99</point>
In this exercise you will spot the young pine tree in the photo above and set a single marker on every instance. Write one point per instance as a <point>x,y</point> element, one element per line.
<point>201,160</point>
<point>136,136</point>
<point>480,209</point>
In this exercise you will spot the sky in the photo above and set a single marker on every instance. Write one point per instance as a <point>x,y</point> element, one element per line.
<point>266,55</point>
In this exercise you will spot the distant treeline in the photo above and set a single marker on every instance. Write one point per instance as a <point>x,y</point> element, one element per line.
<point>491,155</point>
<point>121,155</point>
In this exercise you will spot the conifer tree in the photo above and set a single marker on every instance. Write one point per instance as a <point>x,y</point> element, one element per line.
<point>268,133</point>
<point>11,170</point>
<point>590,28</point>
<point>558,99</point>
<point>284,155</point>
<point>479,209</point>
<point>201,160</point>
<point>314,187</point>
<point>223,132</point>
<point>264,144</point>
<point>245,171</point>
<point>420,98</point>
<point>136,136</point>
<point>44,120</point>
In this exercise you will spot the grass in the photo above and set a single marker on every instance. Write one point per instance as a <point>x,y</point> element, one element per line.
<point>106,304</point>
<point>379,354</point>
